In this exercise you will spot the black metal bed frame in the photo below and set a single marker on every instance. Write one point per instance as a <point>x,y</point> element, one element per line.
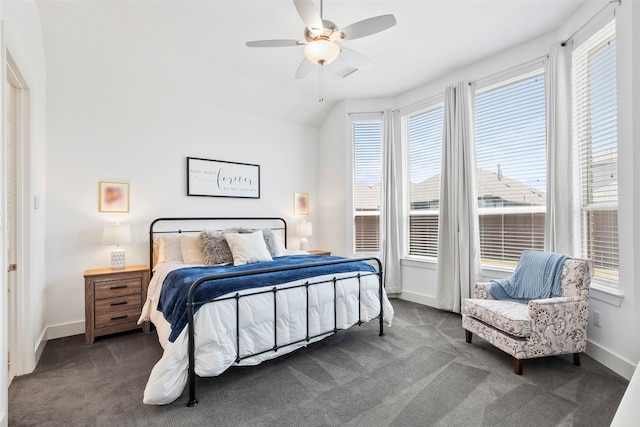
<point>191,304</point>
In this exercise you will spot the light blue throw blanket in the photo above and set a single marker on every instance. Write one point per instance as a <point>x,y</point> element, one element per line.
<point>536,276</point>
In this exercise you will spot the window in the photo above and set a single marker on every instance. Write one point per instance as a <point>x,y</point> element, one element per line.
<point>511,167</point>
<point>596,148</point>
<point>367,180</point>
<point>422,140</point>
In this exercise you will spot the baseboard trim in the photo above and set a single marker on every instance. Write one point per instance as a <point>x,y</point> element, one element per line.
<point>418,298</point>
<point>65,330</point>
<point>616,363</point>
<point>42,342</point>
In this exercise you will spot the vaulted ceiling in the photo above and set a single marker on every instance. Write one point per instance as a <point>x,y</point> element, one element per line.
<point>430,39</point>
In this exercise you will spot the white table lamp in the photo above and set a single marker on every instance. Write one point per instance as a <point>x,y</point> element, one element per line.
<point>304,230</point>
<point>116,234</point>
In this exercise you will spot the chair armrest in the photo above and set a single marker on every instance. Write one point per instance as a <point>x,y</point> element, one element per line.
<point>481,290</point>
<point>553,303</point>
<point>560,316</point>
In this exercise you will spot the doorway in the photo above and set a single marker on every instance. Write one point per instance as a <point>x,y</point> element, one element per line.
<point>14,267</point>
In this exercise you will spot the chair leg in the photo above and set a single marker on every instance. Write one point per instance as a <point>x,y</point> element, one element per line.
<point>517,366</point>
<point>576,359</point>
<point>468,335</point>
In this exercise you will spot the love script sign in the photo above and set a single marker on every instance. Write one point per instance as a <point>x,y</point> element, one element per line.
<point>217,178</point>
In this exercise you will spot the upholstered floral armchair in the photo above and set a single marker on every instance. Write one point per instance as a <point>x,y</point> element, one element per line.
<point>543,327</point>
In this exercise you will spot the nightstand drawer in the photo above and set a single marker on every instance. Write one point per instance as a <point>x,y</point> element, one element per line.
<point>114,288</point>
<point>117,305</point>
<point>117,317</point>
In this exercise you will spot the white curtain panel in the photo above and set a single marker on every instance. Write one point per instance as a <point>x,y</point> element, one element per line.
<point>391,203</point>
<point>559,218</point>
<point>458,238</point>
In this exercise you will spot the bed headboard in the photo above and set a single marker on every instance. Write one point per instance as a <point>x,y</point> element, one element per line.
<point>193,225</point>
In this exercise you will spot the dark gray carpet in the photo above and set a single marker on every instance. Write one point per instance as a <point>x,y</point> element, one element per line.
<point>422,373</point>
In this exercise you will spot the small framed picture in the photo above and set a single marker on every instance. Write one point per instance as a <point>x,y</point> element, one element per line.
<point>114,197</point>
<point>301,204</point>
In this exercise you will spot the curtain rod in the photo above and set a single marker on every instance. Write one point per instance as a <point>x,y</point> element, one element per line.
<point>510,69</point>
<point>564,43</point>
<point>362,113</point>
<point>425,101</point>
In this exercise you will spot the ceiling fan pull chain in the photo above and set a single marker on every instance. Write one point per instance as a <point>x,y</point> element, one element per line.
<point>321,96</point>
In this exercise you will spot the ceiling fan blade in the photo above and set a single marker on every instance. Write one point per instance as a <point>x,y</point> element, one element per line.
<point>304,68</point>
<point>353,58</point>
<point>309,14</point>
<point>368,26</point>
<point>273,43</point>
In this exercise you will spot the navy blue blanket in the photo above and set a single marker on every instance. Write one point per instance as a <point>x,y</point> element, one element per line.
<point>173,298</point>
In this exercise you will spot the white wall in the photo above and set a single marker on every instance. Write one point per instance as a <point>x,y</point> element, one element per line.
<point>123,111</point>
<point>23,37</point>
<point>613,342</point>
<point>333,162</point>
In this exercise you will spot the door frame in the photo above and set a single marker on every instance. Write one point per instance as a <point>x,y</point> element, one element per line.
<point>21,336</point>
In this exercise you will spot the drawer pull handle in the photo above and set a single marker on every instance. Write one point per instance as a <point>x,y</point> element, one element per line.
<point>118,287</point>
<point>119,303</point>
<point>119,317</point>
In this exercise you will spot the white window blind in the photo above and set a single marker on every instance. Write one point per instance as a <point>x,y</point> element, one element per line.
<point>422,138</point>
<point>367,178</point>
<point>596,145</point>
<point>511,167</point>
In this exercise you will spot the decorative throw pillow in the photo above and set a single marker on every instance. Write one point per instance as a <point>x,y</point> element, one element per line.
<point>248,248</point>
<point>191,250</point>
<point>169,248</point>
<point>274,242</point>
<point>240,230</point>
<point>215,249</point>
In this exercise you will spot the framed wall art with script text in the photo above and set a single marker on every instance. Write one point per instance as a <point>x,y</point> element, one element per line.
<point>218,178</point>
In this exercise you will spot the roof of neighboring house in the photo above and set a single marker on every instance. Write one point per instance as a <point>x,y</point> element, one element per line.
<point>491,189</point>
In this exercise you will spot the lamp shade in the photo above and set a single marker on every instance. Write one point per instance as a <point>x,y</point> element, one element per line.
<point>321,51</point>
<point>116,234</point>
<point>304,229</point>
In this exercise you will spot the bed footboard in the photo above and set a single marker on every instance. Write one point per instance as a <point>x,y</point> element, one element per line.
<point>191,306</point>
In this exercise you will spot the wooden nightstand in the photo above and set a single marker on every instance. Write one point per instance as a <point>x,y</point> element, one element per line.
<point>113,300</point>
<point>319,252</point>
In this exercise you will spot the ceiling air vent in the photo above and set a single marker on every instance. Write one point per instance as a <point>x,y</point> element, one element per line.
<point>346,72</point>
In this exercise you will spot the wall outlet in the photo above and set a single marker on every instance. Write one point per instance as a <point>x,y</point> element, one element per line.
<point>596,318</point>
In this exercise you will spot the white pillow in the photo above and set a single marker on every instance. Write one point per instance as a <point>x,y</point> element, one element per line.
<point>169,248</point>
<point>278,244</point>
<point>248,248</point>
<point>273,240</point>
<point>191,251</point>
<point>156,252</point>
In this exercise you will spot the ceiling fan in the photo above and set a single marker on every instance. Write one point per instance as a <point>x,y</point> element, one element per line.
<point>321,38</point>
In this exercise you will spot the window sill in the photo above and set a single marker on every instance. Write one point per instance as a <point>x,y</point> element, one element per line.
<point>606,294</point>
<point>420,263</point>
<point>488,268</point>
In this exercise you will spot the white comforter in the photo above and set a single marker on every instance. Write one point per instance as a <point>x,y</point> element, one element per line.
<point>216,347</point>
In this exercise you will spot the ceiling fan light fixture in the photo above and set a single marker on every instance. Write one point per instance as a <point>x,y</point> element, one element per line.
<point>321,51</point>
